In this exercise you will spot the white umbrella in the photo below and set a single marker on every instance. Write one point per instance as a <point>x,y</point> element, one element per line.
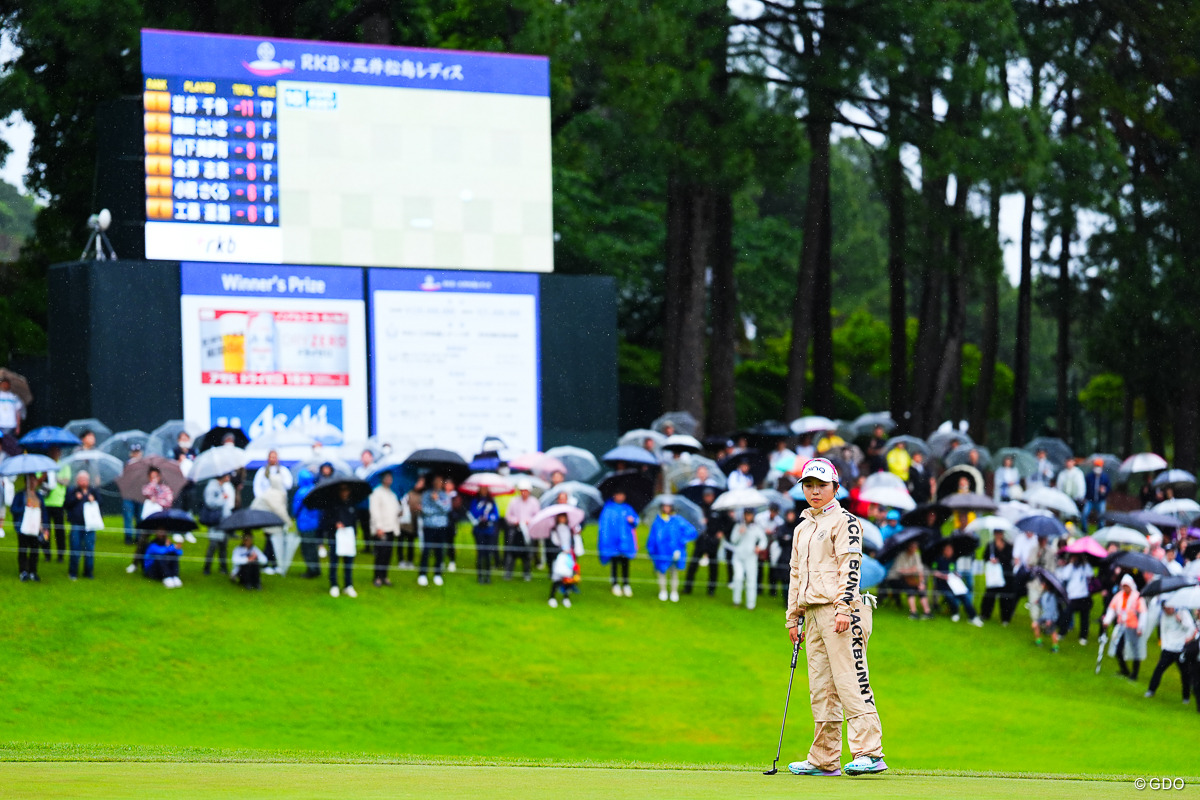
<point>990,524</point>
<point>804,425</point>
<point>1119,534</point>
<point>28,464</point>
<point>1015,511</point>
<point>216,461</point>
<point>1052,499</point>
<point>871,535</point>
<point>496,484</point>
<point>884,480</point>
<point>291,445</point>
<point>1182,508</point>
<point>1188,598</point>
<point>1143,462</point>
<point>741,498</point>
<point>888,496</point>
<point>682,443</point>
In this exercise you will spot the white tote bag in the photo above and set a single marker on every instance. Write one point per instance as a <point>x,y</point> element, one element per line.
<point>957,587</point>
<point>150,507</point>
<point>344,544</point>
<point>31,523</point>
<point>993,575</point>
<point>93,520</point>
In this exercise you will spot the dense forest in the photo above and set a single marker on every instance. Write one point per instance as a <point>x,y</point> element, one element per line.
<point>800,201</point>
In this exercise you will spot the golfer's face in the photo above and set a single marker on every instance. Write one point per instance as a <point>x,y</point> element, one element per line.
<point>818,493</point>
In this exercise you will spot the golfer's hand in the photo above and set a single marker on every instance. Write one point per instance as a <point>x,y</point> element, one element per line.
<point>797,634</point>
<point>841,623</point>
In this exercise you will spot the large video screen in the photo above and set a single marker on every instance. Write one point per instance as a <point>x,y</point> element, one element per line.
<point>276,151</point>
<point>455,359</point>
<point>276,351</point>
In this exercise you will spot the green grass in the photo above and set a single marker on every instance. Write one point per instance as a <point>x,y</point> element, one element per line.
<point>120,664</point>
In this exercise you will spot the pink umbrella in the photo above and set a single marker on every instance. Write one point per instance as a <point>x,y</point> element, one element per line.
<point>1088,546</point>
<point>496,484</point>
<point>543,521</point>
<point>538,464</point>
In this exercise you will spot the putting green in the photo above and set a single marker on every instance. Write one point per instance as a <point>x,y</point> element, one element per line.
<point>195,781</point>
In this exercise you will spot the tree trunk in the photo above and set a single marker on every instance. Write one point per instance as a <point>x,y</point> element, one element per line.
<point>725,334</point>
<point>990,343</point>
<point>823,321</point>
<point>689,238</point>
<point>949,373</point>
<point>1156,421</point>
<point>818,126</point>
<point>674,266</point>
<point>1063,358</point>
<point>1020,403</point>
<point>1187,425</point>
<point>929,317</point>
<point>897,288</point>
<point>1127,423</point>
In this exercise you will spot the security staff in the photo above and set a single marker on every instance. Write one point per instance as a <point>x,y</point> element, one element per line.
<point>826,610</point>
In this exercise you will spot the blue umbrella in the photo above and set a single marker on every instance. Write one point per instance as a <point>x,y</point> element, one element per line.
<point>631,454</point>
<point>403,478</point>
<point>49,436</point>
<point>1044,527</point>
<point>27,464</point>
<point>872,573</point>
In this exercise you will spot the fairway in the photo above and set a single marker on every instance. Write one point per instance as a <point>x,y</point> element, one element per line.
<point>466,672</point>
<point>351,782</point>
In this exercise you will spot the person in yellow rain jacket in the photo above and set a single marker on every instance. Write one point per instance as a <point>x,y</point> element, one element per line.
<point>826,609</point>
<point>899,461</point>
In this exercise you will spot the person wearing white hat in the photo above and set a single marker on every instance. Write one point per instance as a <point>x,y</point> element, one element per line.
<point>826,609</point>
<point>518,515</point>
<point>1127,609</point>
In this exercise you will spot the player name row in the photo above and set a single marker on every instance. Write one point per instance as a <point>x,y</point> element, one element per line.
<point>203,126</point>
<point>234,169</point>
<point>165,209</point>
<point>220,192</point>
<point>165,145</point>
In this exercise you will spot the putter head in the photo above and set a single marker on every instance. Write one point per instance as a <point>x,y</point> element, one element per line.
<point>771,771</point>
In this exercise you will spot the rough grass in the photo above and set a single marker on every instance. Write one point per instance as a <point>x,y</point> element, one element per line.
<point>467,675</point>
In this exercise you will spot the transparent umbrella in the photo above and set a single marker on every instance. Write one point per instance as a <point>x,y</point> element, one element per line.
<point>163,438</point>
<point>681,421</point>
<point>581,464</point>
<point>102,467</point>
<point>120,445</point>
<point>81,426</point>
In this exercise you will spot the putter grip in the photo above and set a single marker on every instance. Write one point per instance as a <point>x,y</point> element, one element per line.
<point>795,654</point>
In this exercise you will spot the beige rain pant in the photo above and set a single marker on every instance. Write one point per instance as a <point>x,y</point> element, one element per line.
<point>839,686</point>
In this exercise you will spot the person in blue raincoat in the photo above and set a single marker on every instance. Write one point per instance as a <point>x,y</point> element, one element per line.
<point>617,542</point>
<point>308,520</point>
<point>667,547</point>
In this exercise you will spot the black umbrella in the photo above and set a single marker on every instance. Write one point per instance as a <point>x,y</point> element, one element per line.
<point>1167,583</point>
<point>440,462</point>
<point>766,433</point>
<point>696,493</point>
<point>638,489</point>
<point>171,519</point>
<point>947,482</point>
<point>1051,580</point>
<point>216,437</point>
<point>969,501</point>
<point>327,493</point>
<point>248,519</point>
<point>760,463</point>
<point>964,544</point>
<point>918,515</point>
<point>1156,519</point>
<point>1139,561</point>
<point>895,544</point>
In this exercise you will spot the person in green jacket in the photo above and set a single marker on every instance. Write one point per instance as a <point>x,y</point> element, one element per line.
<point>57,483</point>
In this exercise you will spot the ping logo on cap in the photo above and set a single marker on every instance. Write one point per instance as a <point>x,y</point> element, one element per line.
<point>821,469</point>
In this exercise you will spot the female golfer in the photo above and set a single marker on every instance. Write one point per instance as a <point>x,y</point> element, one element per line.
<point>826,610</point>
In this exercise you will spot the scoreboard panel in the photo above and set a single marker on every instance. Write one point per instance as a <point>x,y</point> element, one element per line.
<point>290,152</point>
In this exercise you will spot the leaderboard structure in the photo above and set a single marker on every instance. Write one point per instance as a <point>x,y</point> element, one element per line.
<point>359,233</point>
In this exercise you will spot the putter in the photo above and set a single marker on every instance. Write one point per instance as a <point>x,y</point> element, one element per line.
<point>795,657</point>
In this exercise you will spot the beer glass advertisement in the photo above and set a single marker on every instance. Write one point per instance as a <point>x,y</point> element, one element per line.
<point>276,351</point>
